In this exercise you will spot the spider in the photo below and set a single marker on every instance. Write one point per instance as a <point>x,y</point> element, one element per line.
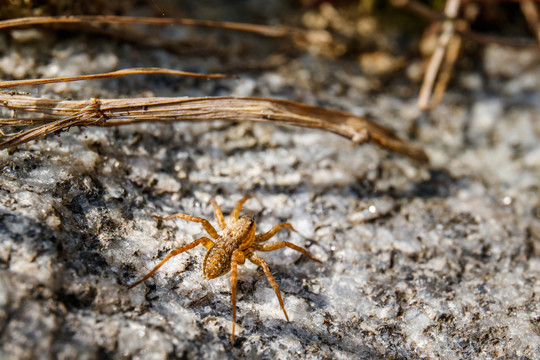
<point>237,242</point>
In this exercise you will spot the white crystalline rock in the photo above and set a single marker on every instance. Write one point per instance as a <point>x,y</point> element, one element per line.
<point>28,262</point>
<point>49,176</point>
<point>137,338</point>
<point>373,209</point>
<point>484,116</point>
<point>502,61</point>
<point>331,177</point>
<point>303,223</point>
<point>166,184</point>
<point>346,297</point>
<point>532,158</point>
<point>244,87</point>
<point>414,324</point>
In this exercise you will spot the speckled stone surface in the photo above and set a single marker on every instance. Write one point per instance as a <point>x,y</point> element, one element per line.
<point>418,262</point>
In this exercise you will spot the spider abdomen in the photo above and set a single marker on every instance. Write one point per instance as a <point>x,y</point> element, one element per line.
<point>217,262</point>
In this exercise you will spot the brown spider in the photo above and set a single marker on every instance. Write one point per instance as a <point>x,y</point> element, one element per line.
<point>226,251</point>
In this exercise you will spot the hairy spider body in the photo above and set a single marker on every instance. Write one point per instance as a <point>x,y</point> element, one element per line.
<point>237,243</point>
<point>240,235</point>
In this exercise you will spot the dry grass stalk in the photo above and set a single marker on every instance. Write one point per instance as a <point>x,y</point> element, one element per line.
<point>530,11</point>
<point>264,30</point>
<point>119,73</point>
<point>63,114</point>
<point>445,55</point>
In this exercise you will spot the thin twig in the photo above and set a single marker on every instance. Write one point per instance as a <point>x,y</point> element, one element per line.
<point>270,31</point>
<point>425,99</point>
<point>452,52</point>
<point>119,73</point>
<point>530,11</point>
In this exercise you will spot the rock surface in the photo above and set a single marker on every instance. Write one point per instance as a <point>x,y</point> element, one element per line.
<point>438,262</point>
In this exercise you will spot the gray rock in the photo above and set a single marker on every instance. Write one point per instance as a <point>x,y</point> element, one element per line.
<point>417,263</point>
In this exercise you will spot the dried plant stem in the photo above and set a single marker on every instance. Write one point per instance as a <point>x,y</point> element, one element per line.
<point>270,31</point>
<point>530,11</point>
<point>427,99</point>
<point>113,112</point>
<point>119,73</point>
<point>452,53</point>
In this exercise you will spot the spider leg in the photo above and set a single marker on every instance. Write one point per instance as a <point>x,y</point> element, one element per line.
<point>237,258</point>
<point>260,261</point>
<point>281,244</point>
<point>267,235</point>
<point>218,214</point>
<point>205,223</point>
<point>207,243</point>
<point>236,211</point>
